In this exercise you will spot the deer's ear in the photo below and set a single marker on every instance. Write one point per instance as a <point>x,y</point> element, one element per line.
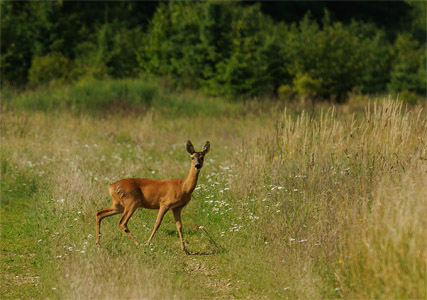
<point>190,147</point>
<point>206,147</point>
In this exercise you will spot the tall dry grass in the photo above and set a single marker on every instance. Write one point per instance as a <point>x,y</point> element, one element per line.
<point>341,201</point>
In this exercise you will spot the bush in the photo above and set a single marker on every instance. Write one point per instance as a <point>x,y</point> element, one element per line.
<point>408,97</point>
<point>285,91</point>
<point>307,87</point>
<point>51,67</point>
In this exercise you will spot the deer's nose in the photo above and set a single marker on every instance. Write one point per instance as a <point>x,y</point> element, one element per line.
<point>198,166</point>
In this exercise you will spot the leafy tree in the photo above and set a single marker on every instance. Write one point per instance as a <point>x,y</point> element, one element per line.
<point>223,48</point>
<point>215,37</point>
<point>417,20</point>
<point>21,26</point>
<point>408,72</point>
<point>171,46</point>
<point>376,73</point>
<point>274,61</point>
<point>244,73</point>
<point>332,55</point>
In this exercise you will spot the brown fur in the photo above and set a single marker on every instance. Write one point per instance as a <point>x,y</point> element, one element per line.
<point>131,193</point>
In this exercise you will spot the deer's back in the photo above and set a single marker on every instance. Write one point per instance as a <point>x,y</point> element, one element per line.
<point>147,192</point>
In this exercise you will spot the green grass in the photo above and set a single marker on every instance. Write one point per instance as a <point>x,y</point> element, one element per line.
<point>295,202</point>
<point>25,257</point>
<point>116,96</point>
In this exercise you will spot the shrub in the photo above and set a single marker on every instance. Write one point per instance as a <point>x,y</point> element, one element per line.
<point>408,97</point>
<point>44,69</point>
<point>285,91</point>
<point>307,87</point>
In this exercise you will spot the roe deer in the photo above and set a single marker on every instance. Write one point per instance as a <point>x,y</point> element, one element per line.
<point>130,193</point>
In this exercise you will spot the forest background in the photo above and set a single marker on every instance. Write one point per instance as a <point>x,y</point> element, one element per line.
<point>317,50</point>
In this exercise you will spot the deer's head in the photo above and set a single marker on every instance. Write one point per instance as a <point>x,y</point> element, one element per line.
<point>197,157</point>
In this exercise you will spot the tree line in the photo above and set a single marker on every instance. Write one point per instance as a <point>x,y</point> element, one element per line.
<point>231,49</point>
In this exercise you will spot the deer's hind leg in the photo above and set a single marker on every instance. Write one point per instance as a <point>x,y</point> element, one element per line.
<point>128,212</point>
<point>114,209</point>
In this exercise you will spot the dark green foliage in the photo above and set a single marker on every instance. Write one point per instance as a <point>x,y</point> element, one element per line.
<point>215,46</point>
<point>171,46</point>
<point>334,57</point>
<point>274,60</point>
<point>230,49</point>
<point>77,30</point>
<point>392,15</point>
<point>243,73</point>
<point>21,23</point>
<point>408,72</point>
<point>376,74</point>
<point>44,69</point>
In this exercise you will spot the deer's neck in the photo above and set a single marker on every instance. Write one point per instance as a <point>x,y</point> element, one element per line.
<point>190,181</point>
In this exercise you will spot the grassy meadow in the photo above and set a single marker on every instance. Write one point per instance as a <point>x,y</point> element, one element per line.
<point>294,200</point>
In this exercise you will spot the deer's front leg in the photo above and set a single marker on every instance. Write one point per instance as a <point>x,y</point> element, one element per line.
<point>177,216</point>
<point>160,215</point>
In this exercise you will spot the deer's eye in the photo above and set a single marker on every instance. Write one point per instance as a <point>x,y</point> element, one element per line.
<point>201,158</point>
<point>192,158</point>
